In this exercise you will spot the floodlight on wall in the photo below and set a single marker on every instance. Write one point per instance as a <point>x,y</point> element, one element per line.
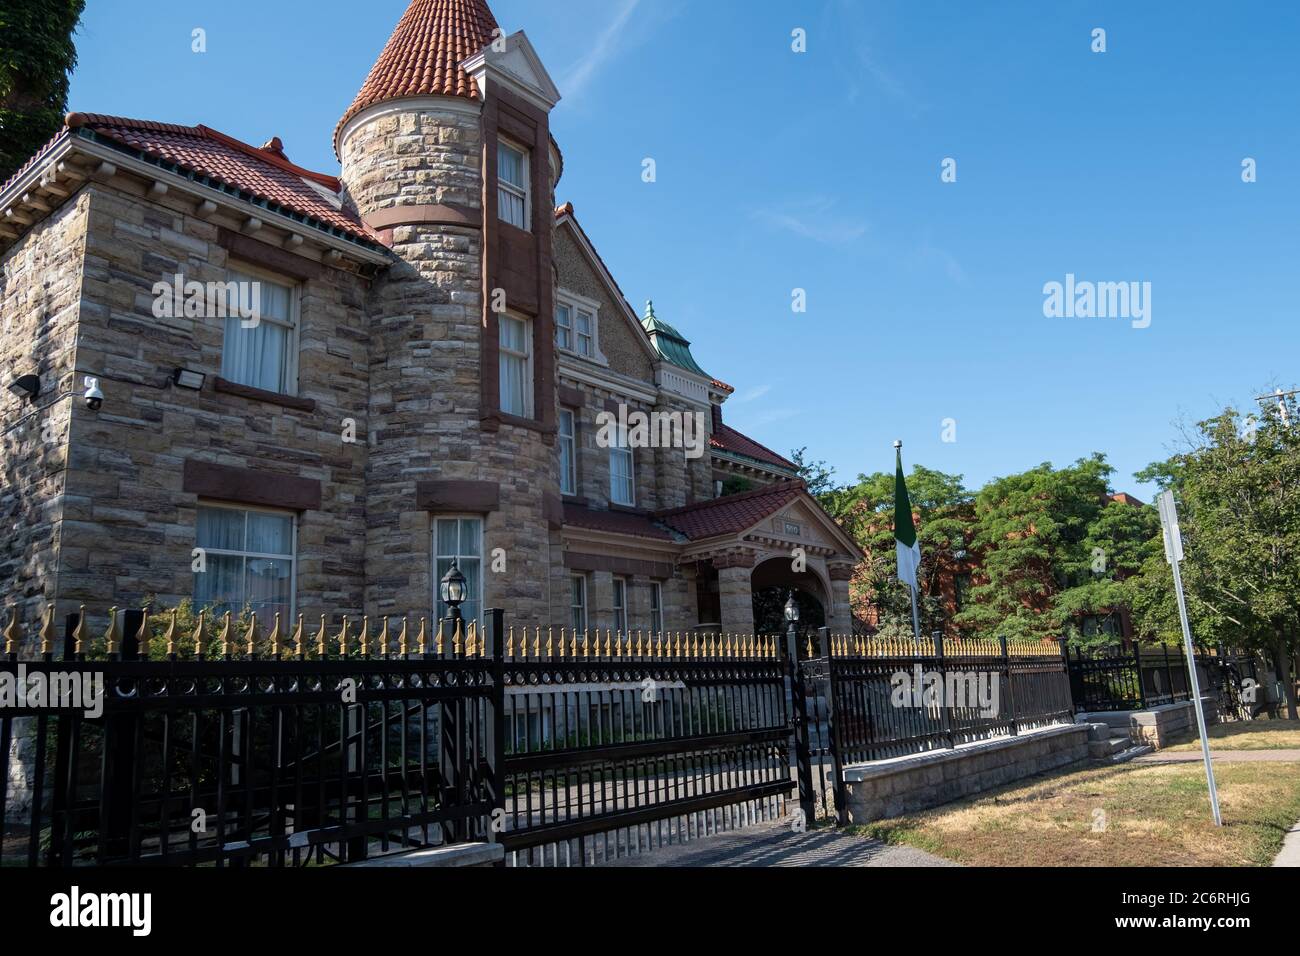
<point>27,387</point>
<point>188,378</point>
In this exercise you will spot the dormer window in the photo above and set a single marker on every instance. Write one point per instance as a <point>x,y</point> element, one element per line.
<point>512,185</point>
<point>575,329</point>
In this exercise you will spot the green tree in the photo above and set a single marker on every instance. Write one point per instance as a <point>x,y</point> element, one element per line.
<point>942,507</point>
<point>1238,489</point>
<point>1054,547</point>
<point>37,55</point>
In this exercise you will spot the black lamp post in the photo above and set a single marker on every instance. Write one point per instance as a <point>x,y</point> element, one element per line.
<point>792,618</point>
<point>453,591</point>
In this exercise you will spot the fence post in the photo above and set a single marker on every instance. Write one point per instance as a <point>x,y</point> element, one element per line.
<point>1006,676</point>
<point>1142,687</point>
<point>496,729</point>
<point>118,781</point>
<point>799,714</point>
<point>65,781</point>
<point>1169,677</point>
<point>827,651</point>
<point>945,705</point>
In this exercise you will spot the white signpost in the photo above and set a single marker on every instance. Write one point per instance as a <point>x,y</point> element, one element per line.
<point>1174,555</point>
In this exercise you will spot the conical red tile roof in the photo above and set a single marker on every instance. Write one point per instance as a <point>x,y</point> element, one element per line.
<point>424,54</point>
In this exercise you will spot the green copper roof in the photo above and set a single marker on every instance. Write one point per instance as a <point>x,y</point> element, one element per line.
<point>669,343</point>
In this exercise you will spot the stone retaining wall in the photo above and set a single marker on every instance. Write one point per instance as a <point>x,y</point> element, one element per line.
<point>901,785</point>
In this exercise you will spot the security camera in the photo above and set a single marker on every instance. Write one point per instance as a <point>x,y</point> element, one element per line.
<point>94,398</point>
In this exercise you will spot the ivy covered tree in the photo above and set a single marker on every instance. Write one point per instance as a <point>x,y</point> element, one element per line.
<point>37,55</point>
<point>1238,490</point>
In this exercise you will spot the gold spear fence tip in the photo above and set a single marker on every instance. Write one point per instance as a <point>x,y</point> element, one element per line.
<point>403,645</point>
<point>142,635</point>
<point>47,630</point>
<point>79,632</point>
<point>274,637</point>
<point>169,638</point>
<point>250,639</point>
<point>365,635</point>
<point>224,637</point>
<point>422,639</point>
<point>198,635</point>
<point>322,639</point>
<point>11,632</point>
<point>299,634</point>
<point>343,637</point>
<point>112,635</point>
<point>384,638</point>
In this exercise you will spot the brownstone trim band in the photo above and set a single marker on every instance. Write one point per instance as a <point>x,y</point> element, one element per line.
<point>624,567</point>
<point>440,215</point>
<point>571,397</point>
<point>259,253</point>
<point>476,497</point>
<point>249,487</point>
<point>228,387</point>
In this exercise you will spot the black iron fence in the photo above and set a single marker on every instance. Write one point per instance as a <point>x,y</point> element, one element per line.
<point>241,746</point>
<point>871,699</point>
<point>1114,677</point>
<point>280,750</point>
<point>620,743</point>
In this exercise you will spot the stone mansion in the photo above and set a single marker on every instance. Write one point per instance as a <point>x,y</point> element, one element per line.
<point>433,346</point>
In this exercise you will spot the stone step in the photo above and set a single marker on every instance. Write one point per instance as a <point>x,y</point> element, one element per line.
<point>1133,751</point>
<point>1102,749</point>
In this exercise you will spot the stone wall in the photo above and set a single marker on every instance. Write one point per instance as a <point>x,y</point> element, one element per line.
<point>425,334</point>
<point>618,339</point>
<point>889,788</point>
<point>129,524</point>
<point>40,291</point>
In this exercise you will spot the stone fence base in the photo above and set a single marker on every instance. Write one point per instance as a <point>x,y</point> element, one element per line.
<point>1160,726</point>
<point>887,788</point>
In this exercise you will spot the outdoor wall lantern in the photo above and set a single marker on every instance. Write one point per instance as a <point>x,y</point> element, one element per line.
<point>28,387</point>
<point>792,609</point>
<point>453,590</point>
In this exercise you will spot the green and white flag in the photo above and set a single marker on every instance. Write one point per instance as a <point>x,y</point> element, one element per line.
<point>909,552</point>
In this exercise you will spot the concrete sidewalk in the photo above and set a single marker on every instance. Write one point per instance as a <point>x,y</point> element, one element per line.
<point>1222,756</point>
<point>776,844</point>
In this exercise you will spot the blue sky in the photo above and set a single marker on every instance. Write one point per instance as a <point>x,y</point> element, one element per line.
<point>821,171</point>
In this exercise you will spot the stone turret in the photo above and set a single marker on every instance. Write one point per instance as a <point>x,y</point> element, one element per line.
<point>419,153</point>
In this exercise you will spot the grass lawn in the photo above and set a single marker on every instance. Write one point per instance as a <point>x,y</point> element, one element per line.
<point>1250,735</point>
<point>1156,815</point>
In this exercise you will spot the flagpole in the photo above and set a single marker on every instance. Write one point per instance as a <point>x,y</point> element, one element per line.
<point>911,590</point>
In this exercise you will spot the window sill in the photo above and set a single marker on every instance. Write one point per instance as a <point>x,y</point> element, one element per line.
<point>228,387</point>
<point>494,420</point>
<point>629,509</point>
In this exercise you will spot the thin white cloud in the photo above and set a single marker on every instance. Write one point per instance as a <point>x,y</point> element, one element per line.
<point>815,220</point>
<point>601,51</point>
<point>753,394</point>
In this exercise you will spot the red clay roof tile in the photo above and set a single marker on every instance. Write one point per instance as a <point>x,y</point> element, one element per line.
<point>265,173</point>
<point>424,54</point>
<point>725,438</point>
<point>732,514</point>
<point>614,522</point>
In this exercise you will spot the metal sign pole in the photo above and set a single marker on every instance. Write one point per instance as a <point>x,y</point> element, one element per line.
<point>1174,555</point>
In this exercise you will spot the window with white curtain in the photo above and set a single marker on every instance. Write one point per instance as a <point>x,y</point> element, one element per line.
<point>656,607</point>
<point>512,185</point>
<point>516,351</point>
<point>578,602</point>
<point>248,561</point>
<point>461,540</point>
<point>261,352</point>
<point>620,605</point>
<point>568,453</point>
<point>622,484</point>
